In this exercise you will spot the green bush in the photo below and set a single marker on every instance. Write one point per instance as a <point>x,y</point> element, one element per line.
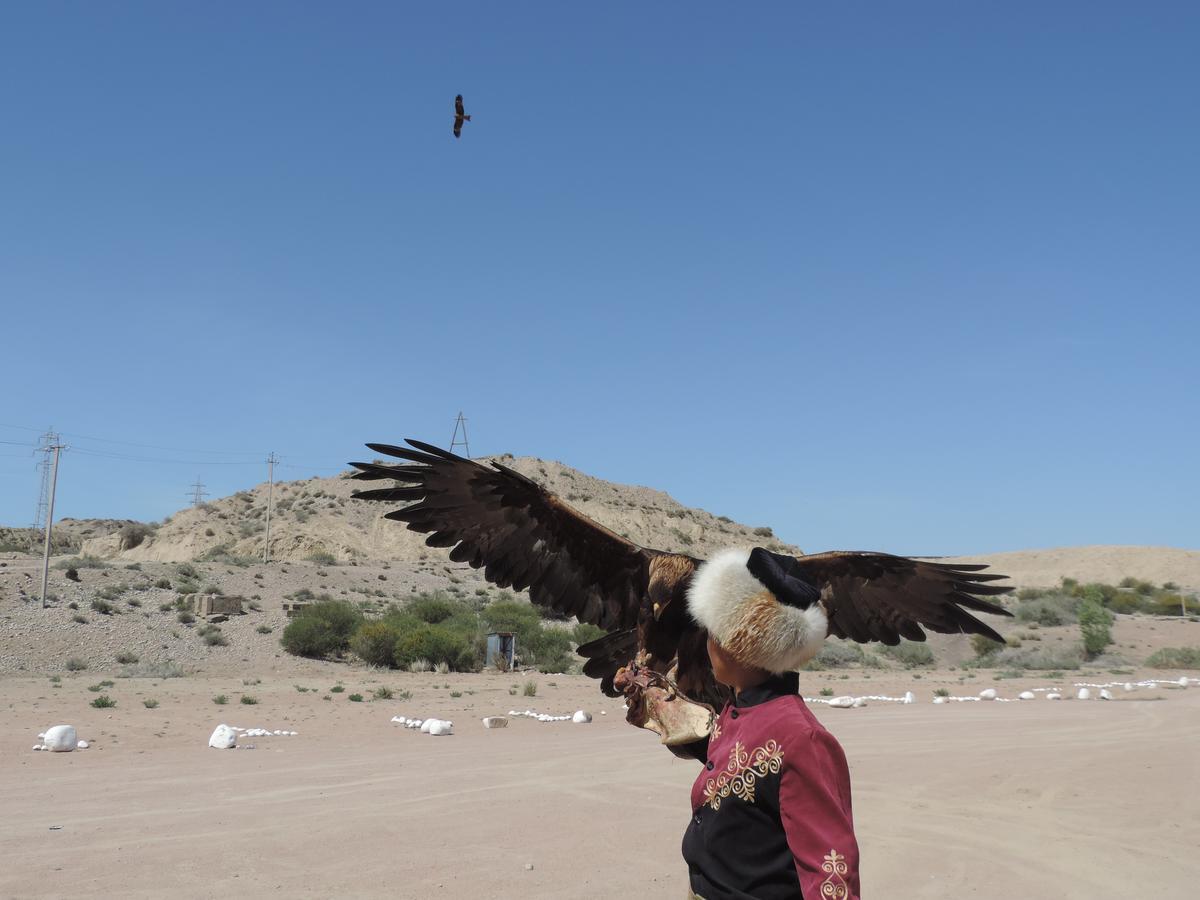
<point>321,629</point>
<point>585,632</point>
<point>76,664</point>
<point>322,558</point>
<point>126,658</point>
<point>984,646</point>
<point>185,617</point>
<point>436,644</point>
<point>220,699</point>
<point>1166,604</point>
<point>910,653</point>
<point>375,643</point>
<point>836,654</point>
<point>1039,658</point>
<point>1175,658</point>
<point>433,608</point>
<point>104,702</point>
<point>355,698</point>
<point>249,700</point>
<point>337,689</point>
<point>150,703</point>
<point>1125,602</point>
<point>1095,624</point>
<point>384,693</point>
<point>1048,611</point>
<point>103,607</point>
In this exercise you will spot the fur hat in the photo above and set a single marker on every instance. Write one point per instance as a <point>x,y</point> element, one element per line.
<point>763,614</point>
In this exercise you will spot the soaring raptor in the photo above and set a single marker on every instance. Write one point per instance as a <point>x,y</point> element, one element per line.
<point>526,538</point>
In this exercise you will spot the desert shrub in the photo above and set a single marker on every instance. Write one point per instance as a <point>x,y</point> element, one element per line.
<point>548,648</point>
<point>72,574</point>
<point>1175,658</point>
<point>127,658</point>
<point>433,608</point>
<point>213,637</point>
<point>132,535</point>
<point>836,654</point>
<point>1039,658</point>
<point>383,693</point>
<point>187,570</point>
<point>1029,593</point>
<point>984,646</point>
<point>79,620</point>
<point>1125,602</point>
<point>529,689</point>
<point>942,692</point>
<point>321,558</point>
<point>248,700</point>
<point>264,629</point>
<point>81,562</point>
<point>1165,604</point>
<point>585,632</point>
<point>321,629</point>
<point>355,698</point>
<point>764,531</point>
<point>163,583</point>
<point>1050,610</point>
<point>375,643</point>
<point>220,699</point>
<point>436,644</point>
<point>76,664</point>
<point>1095,624</point>
<point>826,692</point>
<point>104,702</point>
<point>185,617</point>
<point>910,654</point>
<point>103,607</point>
<point>150,703</point>
<point>420,665</point>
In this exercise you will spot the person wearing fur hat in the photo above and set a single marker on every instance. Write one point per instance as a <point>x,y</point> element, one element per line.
<point>771,811</point>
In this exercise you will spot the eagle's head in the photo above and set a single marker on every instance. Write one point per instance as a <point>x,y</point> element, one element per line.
<point>757,611</point>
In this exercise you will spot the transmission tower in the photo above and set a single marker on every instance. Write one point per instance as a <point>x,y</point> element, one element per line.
<point>272,459</point>
<point>197,493</point>
<point>460,423</point>
<point>48,440</point>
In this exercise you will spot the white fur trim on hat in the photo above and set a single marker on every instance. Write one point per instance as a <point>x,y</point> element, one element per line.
<point>746,619</point>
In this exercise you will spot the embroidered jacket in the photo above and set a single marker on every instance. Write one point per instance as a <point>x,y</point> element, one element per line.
<point>771,812</point>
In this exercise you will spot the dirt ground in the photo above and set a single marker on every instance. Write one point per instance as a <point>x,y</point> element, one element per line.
<point>1036,799</point>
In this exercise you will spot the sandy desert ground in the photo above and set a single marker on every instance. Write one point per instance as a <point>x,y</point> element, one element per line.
<point>1037,799</point>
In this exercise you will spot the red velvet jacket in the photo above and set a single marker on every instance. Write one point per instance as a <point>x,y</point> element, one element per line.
<point>771,812</point>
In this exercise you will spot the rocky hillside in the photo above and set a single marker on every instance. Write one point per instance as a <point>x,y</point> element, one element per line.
<point>317,518</point>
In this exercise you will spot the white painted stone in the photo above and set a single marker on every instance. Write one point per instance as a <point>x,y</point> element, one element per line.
<point>939,700</point>
<point>1128,686</point>
<point>426,725</point>
<point>1183,682</point>
<point>441,727</point>
<point>842,702</point>
<point>61,738</point>
<point>1054,695</point>
<point>581,717</point>
<point>1105,695</point>
<point>495,722</point>
<point>82,745</point>
<point>223,738</point>
<point>1027,695</point>
<point>37,746</point>
<point>1084,694</point>
<point>987,694</point>
<point>909,697</point>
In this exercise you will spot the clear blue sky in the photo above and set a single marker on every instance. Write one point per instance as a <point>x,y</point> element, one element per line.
<point>915,277</point>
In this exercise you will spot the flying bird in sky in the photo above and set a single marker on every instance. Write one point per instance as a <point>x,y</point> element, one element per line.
<point>526,538</point>
<point>459,115</point>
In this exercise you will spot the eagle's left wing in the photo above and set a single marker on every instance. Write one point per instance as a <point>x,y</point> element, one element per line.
<point>880,597</point>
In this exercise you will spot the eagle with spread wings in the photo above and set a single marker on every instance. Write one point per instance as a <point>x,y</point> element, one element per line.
<point>526,538</point>
<point>460,115</point>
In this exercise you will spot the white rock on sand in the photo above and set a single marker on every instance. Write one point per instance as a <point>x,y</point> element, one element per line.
<point>581,717</point>
<point>223,738</point>
<point>495,722</point>
<point>987,694</point>
<point>61,738</point>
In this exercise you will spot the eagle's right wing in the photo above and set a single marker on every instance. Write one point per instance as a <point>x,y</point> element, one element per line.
<point>521,534</point>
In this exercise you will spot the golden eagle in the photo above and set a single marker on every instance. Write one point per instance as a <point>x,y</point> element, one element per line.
<point>526,538</point>
<point>459,115</point>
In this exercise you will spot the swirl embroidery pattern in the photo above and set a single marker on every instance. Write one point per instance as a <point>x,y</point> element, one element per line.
<point>742,772</point>
<point>834,885</point>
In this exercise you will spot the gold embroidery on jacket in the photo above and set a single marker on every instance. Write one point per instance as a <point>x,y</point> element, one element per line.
<point>742,772</point>
<point>834,884</point>
<point>716,729</point>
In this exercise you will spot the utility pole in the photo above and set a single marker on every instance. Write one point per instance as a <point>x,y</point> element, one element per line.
<point>49,439</point>
<point>198,493</point>
<point>271,460</point>
<point>454,441</point>
<point>57,448</point>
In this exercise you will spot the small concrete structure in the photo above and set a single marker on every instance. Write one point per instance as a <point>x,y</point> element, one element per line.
<point>218,605</point>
